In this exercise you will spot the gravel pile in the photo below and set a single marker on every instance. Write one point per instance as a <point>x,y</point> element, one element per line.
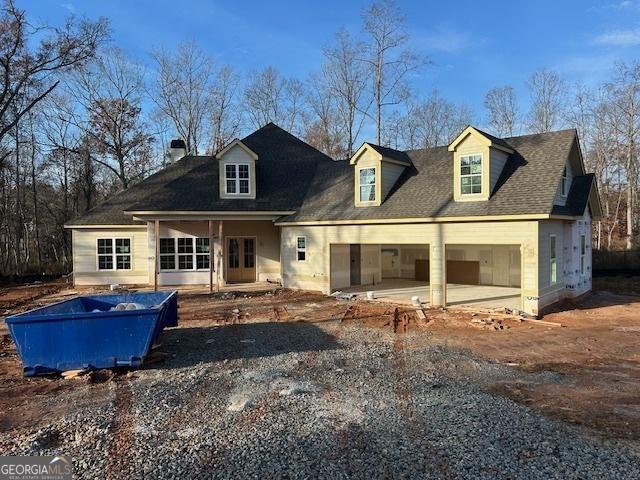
<point>301,400</point>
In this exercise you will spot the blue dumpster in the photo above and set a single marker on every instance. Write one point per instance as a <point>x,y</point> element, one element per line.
<point>87,333</point>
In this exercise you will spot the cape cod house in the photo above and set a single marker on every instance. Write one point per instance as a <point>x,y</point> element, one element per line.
<point>484,219</point>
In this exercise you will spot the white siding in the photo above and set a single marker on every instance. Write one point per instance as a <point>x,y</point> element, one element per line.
<point>498,161</point>
<point>570,282</point>
<point>85,268</point>
<point>562,200</point>
<point>390,174</point>
<point>315,274</point>
<point>237,155</point>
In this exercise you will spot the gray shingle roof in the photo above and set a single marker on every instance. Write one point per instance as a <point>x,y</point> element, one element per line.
<point>284,171</point>
<point>527,185</point>
<point>578,196</point>
<point>292,175</point>
<point>110,212</point>
<point>495,140</point>
<point>397,155</point>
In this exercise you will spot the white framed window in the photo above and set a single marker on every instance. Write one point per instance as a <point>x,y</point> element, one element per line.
<point>583,251</point>
<point>114,253</point>
<point>367,184</point>
<point>184,253</point>
<point>564,185</point>
<point>236,178</point>
<point>301,248</point>
<point>470,174</point>
<point>553,261</point>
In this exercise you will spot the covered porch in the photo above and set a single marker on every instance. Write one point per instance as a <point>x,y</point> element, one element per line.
<point>212,251</point>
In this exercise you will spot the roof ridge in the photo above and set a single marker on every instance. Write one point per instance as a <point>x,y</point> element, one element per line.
<point>288,133</point>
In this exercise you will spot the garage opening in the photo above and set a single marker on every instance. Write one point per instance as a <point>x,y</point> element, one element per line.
<point>392,271</point>
<point>484,275</point>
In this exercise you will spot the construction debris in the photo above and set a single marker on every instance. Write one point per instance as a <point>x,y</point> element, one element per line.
<point>73,373</point>
<point>489,323</point>
<point>543,322</point>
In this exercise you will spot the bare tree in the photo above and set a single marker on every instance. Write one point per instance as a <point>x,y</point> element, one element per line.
<point>323,126</point>
<point>269,97</point>
<point>547,91</point>
<point>388,58</point>
<point>108,95</point>
<point>31,72</point>
<point>434,122</point>
<point>226,119</point>
<point>182,91</point>
<point>345,75</point>
<point>624,93</point>
<point>502,106</point>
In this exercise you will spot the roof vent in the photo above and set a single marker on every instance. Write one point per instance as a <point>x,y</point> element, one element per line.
<point>177,150</point>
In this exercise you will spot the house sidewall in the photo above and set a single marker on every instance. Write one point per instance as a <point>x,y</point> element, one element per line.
<point>327,242</point>
<point>85,256</point>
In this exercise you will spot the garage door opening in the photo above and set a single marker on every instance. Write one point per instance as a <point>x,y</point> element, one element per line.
<point>392,271</point>
<point>484,275</point>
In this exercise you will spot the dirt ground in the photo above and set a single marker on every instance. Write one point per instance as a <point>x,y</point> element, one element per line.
<point>595,353</point>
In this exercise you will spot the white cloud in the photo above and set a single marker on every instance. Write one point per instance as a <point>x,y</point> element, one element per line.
<point>69,6</point>
<point>612,6</point>
<point>619,38</point>
<point>447,39</point>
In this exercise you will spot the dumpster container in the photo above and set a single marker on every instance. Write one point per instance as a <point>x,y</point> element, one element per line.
<point>87,332</point>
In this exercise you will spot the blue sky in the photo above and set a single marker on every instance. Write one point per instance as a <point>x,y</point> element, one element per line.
<point>473,45</point>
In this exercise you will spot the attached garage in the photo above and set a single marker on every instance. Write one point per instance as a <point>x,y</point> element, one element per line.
<point>393,271</point>
<point>486,275</point>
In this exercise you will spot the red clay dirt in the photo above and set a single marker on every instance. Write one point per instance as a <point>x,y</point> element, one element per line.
<point>595,351</point>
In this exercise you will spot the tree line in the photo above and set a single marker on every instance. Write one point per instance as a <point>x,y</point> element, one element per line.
<point>81,120</point>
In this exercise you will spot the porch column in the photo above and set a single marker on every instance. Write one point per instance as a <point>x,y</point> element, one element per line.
<point>156,259</point>
<point>220,262</point>
<point>211,256</point>
<point>438,276</point>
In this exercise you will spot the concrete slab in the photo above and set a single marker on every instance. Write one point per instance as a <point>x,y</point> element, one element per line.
<point>401,290</point>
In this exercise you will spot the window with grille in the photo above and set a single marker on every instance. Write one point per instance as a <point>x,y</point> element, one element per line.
<point>553,261</point>
<point>114,253</point>
<point>236,178</point>
<point>184,253</point>
<point>301,248</point>
<point>367,184</point>
<point>470,174</point>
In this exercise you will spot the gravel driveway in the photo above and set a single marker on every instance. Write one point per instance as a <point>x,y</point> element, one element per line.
<point>315,400</point>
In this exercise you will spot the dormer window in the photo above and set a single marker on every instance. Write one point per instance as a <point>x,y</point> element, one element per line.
<point>478,161</point>
<point>470,174</point>
<point>376,171</point>
<point>367,184</point>
<point>237,167</point>
<point>236,177</point>
<point>563,186</point>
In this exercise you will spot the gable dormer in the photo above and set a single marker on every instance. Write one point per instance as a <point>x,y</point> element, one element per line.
<point>237,171</point>
<point>573,167</point>
<point>478,160</point>
<point>377,169</point>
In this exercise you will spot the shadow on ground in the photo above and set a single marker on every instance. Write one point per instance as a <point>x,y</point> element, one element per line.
<point>192,345</point>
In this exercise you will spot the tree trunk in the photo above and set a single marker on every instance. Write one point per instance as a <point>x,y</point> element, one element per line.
<point>34,191</point>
